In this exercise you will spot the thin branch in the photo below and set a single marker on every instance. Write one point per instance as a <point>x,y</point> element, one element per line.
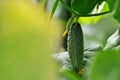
<point>90,15</point>
<point>53,10</point>
<point>66,6</point>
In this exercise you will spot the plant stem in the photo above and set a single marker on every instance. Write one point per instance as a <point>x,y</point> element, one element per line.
<point>71,11</point>
<point>76,18</point>
<point>90,15</point>
<point>82,15</point>
<point>66,6</point>
<point>53,9</point>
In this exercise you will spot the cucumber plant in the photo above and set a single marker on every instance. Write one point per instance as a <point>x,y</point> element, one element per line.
<point>82,8</point>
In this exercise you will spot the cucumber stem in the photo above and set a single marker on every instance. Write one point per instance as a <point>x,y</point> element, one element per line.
<point>76,19</point>
<point>68,25</point>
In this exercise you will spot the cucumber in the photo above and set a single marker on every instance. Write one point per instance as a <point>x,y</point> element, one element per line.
<point>76,46</point>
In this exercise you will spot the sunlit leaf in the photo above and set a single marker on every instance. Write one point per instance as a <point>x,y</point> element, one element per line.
<point>88,20</point>
<point>104,7</point>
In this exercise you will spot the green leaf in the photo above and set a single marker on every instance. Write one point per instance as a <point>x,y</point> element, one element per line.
<point>106,66</point>
<point>113,40</point>
<point>69,75</point>
<point>115,8</point>
<point>84,6</point>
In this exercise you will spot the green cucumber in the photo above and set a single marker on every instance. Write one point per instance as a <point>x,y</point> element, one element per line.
<point>76,46</point>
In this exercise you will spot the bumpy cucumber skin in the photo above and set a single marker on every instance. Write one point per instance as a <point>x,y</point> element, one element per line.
<point>76,46</point>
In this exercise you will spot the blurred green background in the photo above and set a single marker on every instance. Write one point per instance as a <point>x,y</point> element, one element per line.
<point>27,41</point>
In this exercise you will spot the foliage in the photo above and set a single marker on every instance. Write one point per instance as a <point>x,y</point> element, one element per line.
<point>94,57</point>
<point>84,6</point>
<point>106,66</point>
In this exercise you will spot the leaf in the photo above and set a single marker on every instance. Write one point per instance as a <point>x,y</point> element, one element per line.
<point>84,6</point>
<point>106,66</point>
<point>113,40</point>
<point>103,7</point>
<point>92,20</point>
<point>115,8</point>
<point>69,75</point>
